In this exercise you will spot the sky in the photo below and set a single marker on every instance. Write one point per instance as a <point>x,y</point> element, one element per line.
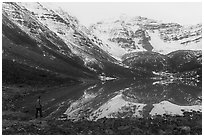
<point>184,13</point>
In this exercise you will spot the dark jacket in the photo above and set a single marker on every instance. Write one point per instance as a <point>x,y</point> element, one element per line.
<point>38,104</point>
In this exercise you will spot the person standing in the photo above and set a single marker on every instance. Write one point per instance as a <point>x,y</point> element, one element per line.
<point>38,107</point>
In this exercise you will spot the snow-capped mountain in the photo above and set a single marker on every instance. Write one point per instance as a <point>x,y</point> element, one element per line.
<point>143,34</point>
<point>52,40</point>
<point>67,28</point>
<point>152,45</point>
<point>28,42</point>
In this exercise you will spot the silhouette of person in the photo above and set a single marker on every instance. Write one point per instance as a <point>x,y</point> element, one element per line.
<point>38,107</point>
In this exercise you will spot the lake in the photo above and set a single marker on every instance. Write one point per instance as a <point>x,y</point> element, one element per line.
<point>119,98</point>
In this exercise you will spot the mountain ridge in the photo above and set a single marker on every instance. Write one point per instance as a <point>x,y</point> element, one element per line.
<point>43,38</point>
<point>142,34</point>
<point>54,41</point>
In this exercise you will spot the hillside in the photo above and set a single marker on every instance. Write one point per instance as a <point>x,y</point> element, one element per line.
<point>53,41</point>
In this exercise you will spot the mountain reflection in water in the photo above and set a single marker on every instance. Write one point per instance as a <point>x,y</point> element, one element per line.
<point>141,98</point>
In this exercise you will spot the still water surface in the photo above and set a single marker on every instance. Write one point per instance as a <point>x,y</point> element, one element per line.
<point>120,98</point>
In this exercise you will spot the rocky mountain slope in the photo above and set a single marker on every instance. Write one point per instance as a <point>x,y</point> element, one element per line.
<point>152,45</point>
<point>177,61</point>
<point>51,40</point>
<point>181,64</point>
<point>143,34</point>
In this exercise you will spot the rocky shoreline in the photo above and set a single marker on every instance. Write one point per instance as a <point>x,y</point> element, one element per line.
<point>189,124</point>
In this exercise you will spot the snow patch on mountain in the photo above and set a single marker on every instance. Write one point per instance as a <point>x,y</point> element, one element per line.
<point>52,20</point>
<point>163,47</point>
<point>111,47</point>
